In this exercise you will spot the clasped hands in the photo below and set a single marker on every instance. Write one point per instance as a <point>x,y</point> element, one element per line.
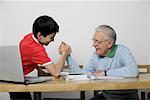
<point>64,49</point>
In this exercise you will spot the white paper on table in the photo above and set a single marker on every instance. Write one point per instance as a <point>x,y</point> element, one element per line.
<point>108,77</point>
<point>77,77</point>
<point>90,77</point>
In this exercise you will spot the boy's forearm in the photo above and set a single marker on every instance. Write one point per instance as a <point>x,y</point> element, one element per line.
<point>61,62</point>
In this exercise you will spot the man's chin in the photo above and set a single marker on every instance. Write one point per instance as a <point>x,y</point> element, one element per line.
<point>98,53</point>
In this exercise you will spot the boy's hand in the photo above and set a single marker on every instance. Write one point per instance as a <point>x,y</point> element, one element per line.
<point>64,48</point>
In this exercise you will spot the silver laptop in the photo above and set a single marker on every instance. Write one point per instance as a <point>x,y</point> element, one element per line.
<point>11,69</point>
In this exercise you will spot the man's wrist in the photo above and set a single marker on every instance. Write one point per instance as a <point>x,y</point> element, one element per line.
<point>105,72</point>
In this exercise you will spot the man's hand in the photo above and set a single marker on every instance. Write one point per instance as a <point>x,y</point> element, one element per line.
<point>64,48</point>
<point>99,73</point>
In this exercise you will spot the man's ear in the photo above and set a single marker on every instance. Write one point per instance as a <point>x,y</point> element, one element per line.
<point>110,44</point>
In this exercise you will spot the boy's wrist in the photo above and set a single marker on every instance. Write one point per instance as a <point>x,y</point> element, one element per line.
<point>64,54</point>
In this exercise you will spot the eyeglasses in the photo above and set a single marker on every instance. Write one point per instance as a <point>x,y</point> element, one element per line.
<point>99,42</point>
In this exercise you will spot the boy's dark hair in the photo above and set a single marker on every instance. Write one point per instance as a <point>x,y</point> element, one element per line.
<point>46,25</point>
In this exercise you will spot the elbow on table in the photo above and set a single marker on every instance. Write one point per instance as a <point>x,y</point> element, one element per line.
<point>133,74</point>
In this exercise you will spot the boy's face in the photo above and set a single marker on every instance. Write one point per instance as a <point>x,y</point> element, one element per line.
<point>45,40</point>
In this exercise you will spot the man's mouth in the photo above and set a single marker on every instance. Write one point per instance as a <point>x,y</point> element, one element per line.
<point>97,49</point>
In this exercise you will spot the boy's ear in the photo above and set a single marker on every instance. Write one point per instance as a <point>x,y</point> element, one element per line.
<point>39,35</point>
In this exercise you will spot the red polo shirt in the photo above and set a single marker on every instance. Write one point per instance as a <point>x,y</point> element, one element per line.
<point>32,54</point>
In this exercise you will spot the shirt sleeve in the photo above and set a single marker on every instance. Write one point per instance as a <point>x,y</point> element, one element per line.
<point>90,67</point>
<point>129,68</point>
<point>40,57</point>
<point>73,67</point>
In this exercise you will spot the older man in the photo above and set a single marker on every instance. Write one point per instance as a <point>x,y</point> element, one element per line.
<point>109,59</point>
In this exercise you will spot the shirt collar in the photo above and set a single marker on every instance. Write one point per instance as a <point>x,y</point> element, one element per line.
<point>35,39</point>
<point>112,51</point>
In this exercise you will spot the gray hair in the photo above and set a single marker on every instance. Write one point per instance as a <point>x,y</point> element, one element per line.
<point>110,32</point>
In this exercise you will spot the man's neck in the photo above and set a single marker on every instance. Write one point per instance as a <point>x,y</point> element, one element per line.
<point>111,51</point>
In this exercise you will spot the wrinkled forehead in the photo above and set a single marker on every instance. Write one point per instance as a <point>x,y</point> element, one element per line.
<point>99,35</point>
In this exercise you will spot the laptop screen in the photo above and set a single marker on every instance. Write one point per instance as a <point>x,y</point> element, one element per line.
<point>10,64</point>
<point>11,67</point>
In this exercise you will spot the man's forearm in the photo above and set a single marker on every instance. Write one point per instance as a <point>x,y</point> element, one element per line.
<point>73,67</point>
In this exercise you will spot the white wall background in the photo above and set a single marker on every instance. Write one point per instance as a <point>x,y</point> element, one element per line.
<point>77,20</point>
<point>1,23</point>
<point>149,34</point>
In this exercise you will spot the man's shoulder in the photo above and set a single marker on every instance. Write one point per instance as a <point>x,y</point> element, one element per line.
<point>122,47</point>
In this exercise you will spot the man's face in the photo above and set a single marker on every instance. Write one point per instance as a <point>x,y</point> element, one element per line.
<point>46,40</point>
<point>101,43</point>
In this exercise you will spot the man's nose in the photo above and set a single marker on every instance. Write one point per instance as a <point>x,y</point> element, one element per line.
<point>94,44</point>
